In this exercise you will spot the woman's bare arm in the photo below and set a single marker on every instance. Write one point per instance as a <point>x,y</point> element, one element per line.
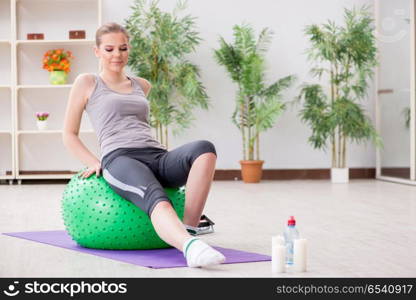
<point>75,107</point>
<point>146,86</point>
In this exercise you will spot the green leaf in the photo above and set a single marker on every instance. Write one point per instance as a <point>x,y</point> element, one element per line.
<point>347,54</point>
<point>257,105</point>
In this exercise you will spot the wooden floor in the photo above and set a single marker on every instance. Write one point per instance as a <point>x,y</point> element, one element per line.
<point>366,228</point>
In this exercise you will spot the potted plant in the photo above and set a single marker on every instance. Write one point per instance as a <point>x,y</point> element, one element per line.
<point>160,42</point>
<point>57,62</point>
<point>257,104</point>
<point>42,120</point>
<point>345,57</point>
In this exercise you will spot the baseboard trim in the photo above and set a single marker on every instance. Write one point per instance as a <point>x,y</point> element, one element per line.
<point>292,174</point>
<point>268,174</point>
<point>396,172</point>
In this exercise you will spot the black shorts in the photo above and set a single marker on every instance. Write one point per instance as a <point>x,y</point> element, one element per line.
<point>140,174</point>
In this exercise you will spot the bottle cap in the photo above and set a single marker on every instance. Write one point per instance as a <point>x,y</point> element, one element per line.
<point>291,221</point>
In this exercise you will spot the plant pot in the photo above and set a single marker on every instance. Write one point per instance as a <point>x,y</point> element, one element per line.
<point>42,125</point>
<point>340,175</point>
<point>58,77</point>
<point>251,170</point>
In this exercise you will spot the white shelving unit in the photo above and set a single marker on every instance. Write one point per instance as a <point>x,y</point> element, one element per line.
<point>7,171</point>
<point>55,42</point>
<point>43,86</point>
<point>36,154</point>
<point>49,131</point>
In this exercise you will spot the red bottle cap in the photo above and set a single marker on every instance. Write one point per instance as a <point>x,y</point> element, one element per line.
<point>291,221</point>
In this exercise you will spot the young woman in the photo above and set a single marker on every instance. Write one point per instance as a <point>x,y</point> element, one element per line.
<point>135,164</point>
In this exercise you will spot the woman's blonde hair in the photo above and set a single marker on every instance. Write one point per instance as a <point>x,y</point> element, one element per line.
<point>111,27</point>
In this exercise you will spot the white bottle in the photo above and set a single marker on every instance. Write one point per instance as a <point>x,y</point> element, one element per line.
<point>290,234</point>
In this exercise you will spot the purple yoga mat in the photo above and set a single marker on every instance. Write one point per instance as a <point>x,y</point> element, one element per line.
<point>157,259</point>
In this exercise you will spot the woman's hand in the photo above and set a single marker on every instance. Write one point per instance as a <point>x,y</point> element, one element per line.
<point>91,170</point>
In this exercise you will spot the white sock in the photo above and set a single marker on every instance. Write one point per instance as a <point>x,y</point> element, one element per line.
<point>200,254</point>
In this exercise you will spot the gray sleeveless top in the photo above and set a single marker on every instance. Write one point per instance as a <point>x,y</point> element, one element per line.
<point>120,120</point>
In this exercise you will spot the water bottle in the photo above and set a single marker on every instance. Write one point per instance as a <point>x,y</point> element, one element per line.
<point>290,234</point>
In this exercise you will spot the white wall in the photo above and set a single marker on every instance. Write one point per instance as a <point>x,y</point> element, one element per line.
<point>284,146</point>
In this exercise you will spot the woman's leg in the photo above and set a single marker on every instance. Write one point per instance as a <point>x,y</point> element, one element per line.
<point>198,186</point>
<point>168,226</point>
<point>193,164</point>
<point>171,230</point>
<point>134,181</point>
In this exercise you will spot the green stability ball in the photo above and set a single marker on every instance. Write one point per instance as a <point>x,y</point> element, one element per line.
<point>96,217</point>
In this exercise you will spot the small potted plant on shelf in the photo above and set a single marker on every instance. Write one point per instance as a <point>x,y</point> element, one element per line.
<point>345,58</point>
<point>42,120</point>
<point>57,62</point>
<point>258,105</point>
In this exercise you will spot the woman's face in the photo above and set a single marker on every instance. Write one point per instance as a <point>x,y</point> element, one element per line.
<point>113,51</point>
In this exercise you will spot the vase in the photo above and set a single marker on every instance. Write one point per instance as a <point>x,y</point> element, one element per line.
<point>251,170</point>
<point>42,124</point>
<point>57,77</point>
<point>340,175</point>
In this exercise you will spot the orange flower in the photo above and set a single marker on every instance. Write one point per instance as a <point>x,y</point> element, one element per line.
<point>57,59</point>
